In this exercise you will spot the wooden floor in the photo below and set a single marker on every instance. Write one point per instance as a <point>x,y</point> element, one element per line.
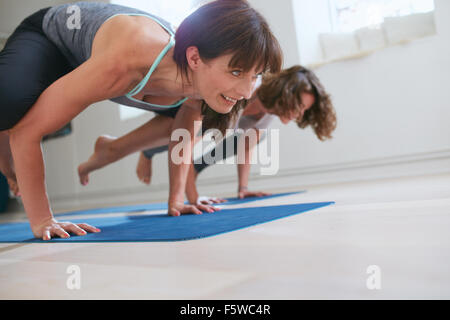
<point>402,226</point>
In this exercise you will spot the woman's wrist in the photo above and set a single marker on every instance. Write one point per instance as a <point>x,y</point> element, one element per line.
<point>242,188</point>
<point>38,212</point>
<point>37,225</point>
<point>176,198</point>
<point>192,197</point>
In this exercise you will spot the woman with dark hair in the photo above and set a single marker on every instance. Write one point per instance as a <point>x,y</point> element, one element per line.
<point>294,94</point>
<point>62,59</point>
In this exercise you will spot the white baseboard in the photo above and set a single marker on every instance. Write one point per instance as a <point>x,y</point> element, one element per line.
<point>428,163</point>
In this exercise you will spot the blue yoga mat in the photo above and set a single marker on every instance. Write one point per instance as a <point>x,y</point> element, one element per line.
<point>162,227</point>
<point>163,205</point>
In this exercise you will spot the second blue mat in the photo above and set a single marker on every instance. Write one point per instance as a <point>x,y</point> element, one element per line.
<point>163,205</point>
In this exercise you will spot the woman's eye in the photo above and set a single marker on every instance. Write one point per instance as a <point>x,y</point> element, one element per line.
<point>236,73</point>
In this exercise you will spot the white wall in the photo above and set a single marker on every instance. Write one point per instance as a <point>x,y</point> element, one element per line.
<point>312,18</point>
<point>392,106</point>
<point>391,103</point>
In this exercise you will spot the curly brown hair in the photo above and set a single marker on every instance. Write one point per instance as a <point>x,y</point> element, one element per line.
<point>281,94</point>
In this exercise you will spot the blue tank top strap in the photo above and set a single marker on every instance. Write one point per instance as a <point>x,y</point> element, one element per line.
<point>144,81</point>
<point>155,64</point>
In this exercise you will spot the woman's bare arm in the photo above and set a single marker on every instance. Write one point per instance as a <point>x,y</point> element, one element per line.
<point>244,170</point>
<point>97,79</point>
<point>178,171</point>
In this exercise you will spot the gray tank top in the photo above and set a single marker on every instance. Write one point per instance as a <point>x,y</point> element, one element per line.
<point>74,38</point>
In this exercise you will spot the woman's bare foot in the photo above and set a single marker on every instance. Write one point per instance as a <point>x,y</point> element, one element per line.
<point>11,178</point>
<point>144,168</point>
<point>13,186</point>
<point>102,156</point>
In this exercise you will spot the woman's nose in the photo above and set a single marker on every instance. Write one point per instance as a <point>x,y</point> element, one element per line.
<point>245,89</point>
<point>285,120</point>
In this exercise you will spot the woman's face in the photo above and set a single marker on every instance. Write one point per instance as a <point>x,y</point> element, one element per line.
<point>221,86</point>
<point>307,102</point>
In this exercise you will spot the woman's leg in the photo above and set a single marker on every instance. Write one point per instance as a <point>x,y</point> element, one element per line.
<point>144,166</point>
<point>108,149</point>
<point>201,164</point>
<point>7,164</point>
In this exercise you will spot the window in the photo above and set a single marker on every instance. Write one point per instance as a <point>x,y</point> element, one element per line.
<point>173,11</point>
<point>330,30</point>
<point>350,15</point>
<point>359,27</point>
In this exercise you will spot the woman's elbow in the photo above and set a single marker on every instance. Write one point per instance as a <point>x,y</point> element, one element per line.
<point>22,135</point>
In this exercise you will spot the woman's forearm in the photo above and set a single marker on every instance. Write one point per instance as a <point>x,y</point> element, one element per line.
<point>243,174</point>
<point>180,152</point>
<point>177,179</point>
<point>30,171</point>
<point>244,168</point>
<point>191,187</point>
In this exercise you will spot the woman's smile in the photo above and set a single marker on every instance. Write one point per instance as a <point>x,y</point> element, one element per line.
<point>229,99</point>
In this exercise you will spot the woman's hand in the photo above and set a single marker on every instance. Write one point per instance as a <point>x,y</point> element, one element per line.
<point>178,208</point>
<point>209,200</point>
<point>244,193</point>
<point>52,228</point>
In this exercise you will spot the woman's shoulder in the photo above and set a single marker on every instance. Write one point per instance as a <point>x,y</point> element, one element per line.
<point>133,34</point>
<point>134,41</point>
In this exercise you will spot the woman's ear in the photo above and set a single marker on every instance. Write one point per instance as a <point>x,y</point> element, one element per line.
<point>193,57</point>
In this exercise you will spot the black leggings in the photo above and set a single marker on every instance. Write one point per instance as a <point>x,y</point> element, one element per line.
<point>29,64</point>
<point>199,166</point>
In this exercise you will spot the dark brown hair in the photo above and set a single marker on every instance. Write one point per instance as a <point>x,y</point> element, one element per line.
<point>228,27</point>
<point>281,93</point>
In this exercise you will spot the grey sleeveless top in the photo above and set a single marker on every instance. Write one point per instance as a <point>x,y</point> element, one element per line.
<point>72,28</point>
